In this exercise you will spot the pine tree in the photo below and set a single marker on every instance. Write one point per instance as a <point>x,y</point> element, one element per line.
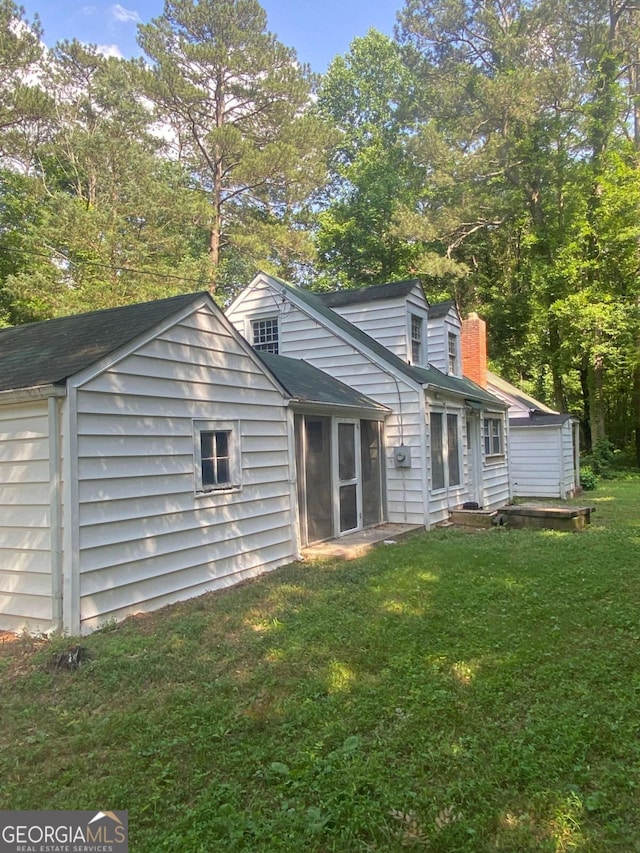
<point>234,105</point>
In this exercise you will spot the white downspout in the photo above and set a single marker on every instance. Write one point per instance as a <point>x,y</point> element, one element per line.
<point>71,558</point>
<point>55,510</point>
<point>425,409</point>
<point>293,486</point>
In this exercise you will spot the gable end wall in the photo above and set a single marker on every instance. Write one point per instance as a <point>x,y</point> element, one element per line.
<point>301,336</point>
<point>145,537</point>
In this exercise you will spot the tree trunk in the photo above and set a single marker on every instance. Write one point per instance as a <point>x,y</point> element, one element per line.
<point>636,410</point>
<point>218,180</point>
<point>596,400</point>
<point>559,396</point>
<point>586,411</point>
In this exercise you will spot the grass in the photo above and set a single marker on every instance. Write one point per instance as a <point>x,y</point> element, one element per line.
<point>458,692</point>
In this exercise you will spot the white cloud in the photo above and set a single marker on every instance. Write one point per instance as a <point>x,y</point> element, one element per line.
<point>89,10</point>
<point>109,50</point>
<point>122,15</point>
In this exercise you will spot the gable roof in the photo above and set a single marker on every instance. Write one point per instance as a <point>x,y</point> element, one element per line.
<point>393,290</point>
<point>51,351</point>
<point>524,399</point>
<point>440,309</point>
<point>421,375</point>
<point>309,384</point>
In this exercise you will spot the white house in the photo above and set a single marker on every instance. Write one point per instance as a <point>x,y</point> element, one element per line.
<point>446,437</point>
<point>147,455</point>
<point>544,445</point>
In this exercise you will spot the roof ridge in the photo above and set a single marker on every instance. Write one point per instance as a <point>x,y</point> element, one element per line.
<point>419,375</point>
<point>48,352</point>
<point>103,311</point>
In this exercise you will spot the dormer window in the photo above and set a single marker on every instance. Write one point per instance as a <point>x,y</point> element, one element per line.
<point>416,339</point>
<point>265,335</point>
<point>453,353</point>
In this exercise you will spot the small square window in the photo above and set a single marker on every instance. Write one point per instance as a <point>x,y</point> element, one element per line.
<point>265,335</point>
<point>214,450</point>
<point>217,456</point>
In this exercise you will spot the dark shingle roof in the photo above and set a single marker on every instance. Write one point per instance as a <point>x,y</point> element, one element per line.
<point>49,352</point>
<point>337,298</point>
<point>420,375</point>
<point>524,399</point>
<point>441,309</point>
<point>308,384</point>
<point>540,420</point>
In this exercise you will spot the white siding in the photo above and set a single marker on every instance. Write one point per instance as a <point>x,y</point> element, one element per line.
<point>442,500</point>
<point>438,341</point>
<point>145,537</point>
<point>568,469</point>
<point>495,484</point>
<point>408,489</point>
<point>388,321</point>
<point>494,488</point>
<point>542,463</point>
<point>536,461</point>
<point>302,336</point>
<point>517,408</point>
<point>384,319</point>
<point>25,518</point>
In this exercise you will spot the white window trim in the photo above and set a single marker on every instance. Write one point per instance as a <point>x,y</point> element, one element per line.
<point>445,452</point>
<point>261,317</point>
<point>493,457</point>
<point>452,336</point>
<point>235,456</point>
<point>422,361</point>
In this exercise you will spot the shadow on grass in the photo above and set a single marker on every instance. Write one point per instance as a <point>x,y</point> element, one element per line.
<point>458,692</point>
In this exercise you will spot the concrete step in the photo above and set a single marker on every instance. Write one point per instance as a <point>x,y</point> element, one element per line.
<point>472,517</point>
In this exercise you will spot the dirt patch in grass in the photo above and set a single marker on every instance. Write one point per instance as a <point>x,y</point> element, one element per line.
<point>17,652</point>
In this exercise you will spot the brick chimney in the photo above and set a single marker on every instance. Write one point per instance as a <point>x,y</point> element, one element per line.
<point>474,349</point>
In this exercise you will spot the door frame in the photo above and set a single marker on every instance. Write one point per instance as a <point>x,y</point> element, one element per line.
<point>356,480</point>
<point>474,446</point>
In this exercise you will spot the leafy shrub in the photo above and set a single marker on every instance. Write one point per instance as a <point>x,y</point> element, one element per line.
<point>588,478</point>
<point>602,458</point>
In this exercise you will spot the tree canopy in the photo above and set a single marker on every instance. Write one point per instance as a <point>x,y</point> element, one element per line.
<point>490,148</point>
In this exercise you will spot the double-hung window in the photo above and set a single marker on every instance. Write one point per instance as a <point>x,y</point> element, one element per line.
<point>437,452</point>
<point>493,437</point>
<point>452,345</point>
<point>217,456</point>
<point>416,339</point>
<point>453,450</point>
<point>265,335</point>
<point>445,450</point>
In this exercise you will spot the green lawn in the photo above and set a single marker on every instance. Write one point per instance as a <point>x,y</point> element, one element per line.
<point>458,692</point>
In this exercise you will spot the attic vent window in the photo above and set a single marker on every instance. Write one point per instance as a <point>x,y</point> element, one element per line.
<point>265,335</point>
<point>416,339</point>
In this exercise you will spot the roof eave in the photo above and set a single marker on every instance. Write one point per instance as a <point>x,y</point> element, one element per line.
<point>312,406</point>
<point>35,392</point>
<point>489,405</point>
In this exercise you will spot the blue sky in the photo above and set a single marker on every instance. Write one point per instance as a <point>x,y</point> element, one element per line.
<point>317,29</point>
